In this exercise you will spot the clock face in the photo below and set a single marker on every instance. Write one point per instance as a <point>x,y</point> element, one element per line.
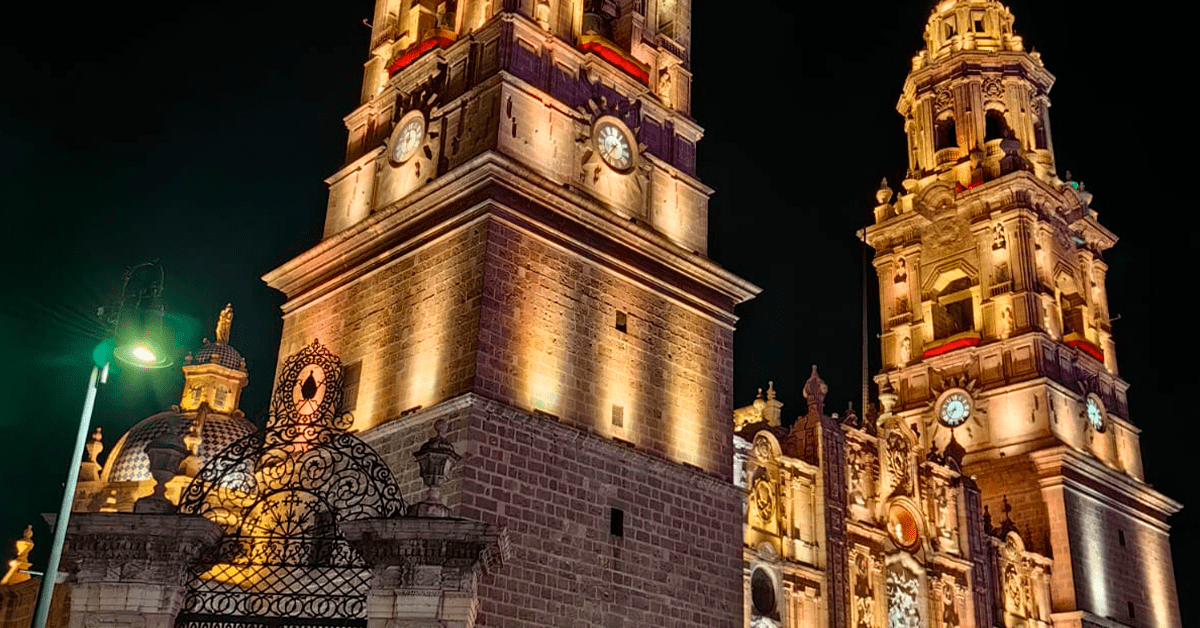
<point>408,136</point>
<point>612,143</point>
<point>955,409</point>
<point>309,390</point>
<point>1095,414</point>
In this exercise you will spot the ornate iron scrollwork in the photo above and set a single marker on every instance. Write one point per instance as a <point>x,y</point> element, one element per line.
<point>280,494</point>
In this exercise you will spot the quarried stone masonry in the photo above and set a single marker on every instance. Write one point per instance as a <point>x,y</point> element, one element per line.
<point>129,568</point>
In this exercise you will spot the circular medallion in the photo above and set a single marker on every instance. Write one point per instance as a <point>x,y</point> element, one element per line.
<point>406,139</point>
<point>1095,413</point>
<point>764,499</point>
<point>954,408</point>
<point>614,143</point>
<point>309,390</point>
<point>902,526</point>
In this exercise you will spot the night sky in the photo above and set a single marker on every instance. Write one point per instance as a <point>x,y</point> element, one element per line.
<point>199,134</point>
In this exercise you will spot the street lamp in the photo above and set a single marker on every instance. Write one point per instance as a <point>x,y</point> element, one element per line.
<point>137,342</point>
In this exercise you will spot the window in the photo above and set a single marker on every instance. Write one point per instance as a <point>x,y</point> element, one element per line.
<point>945,135</point>
<point>1039,135</point>
<point>762,593</point>
<point>1132,615</point>
<point>618,416</point>
<point>616,522</point>
<point>622,322</point>
<point>953,310</point>
<point>351,374</point>
<point>1072,307</point>
<point>1121,537</point>
<point>948,27</point>
<point>996,128</point>
<point>977,21</point>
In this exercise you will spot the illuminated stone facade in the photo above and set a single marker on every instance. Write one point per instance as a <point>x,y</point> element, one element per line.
<point>514,257</point>
<point>850,522</point>
<point>516,245</point>
<point>996,329</point>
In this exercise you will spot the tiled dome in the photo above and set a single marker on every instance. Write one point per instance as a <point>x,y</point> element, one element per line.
<point>128,461</point>
<point>220,353</point>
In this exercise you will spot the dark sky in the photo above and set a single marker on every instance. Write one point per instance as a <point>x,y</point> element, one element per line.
<point>199,134</point>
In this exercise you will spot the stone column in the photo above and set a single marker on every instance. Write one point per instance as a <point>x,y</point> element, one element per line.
<point>130,567</point>
<point>424,570</point>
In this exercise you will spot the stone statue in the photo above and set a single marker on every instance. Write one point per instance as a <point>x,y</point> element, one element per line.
<point>900,281</point>
<point>949,612</point>
<point>664,86</point>
<point>224,323</point>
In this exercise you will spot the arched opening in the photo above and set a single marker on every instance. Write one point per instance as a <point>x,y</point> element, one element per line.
<point>945,134</point>
<point>953,310</point>
<point>1072,305</point>
<point>598,16</point>
<point>996,128</point>
<point>1039,135</point>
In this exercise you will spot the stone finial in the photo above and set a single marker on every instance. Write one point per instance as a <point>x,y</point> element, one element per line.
<point>89,470</point>
<point>884,194</point>
<point>954,451</point>
<point>772,410</point>
<point>191,464</point>
<point>814,391</point>
<point>224,323</point>
<point>850,417</point>
<point>1007,525</point>
<point>18,566</point>
<point>95,445</point>
<point>434,458</point>
<point>166,453</point>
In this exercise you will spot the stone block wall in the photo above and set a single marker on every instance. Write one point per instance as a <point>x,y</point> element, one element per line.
<point>1124,563</point>
<point>1016,479</point>
<point>410,325</point>
<point>554,487</point>
<point>563,335</point>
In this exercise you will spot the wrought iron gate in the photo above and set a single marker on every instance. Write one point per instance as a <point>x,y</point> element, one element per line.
<point>279,495</point>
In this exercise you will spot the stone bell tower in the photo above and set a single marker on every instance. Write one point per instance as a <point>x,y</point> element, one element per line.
<point>996,328</point>
<point>516,244</point>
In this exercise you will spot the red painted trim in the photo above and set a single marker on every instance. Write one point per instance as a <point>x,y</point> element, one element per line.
<point>616,57</point>
<point>416,52</point>
<point>1087,347</point>
<point>949,346</point>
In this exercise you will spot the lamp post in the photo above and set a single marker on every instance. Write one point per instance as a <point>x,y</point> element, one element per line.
<point>137,343</point>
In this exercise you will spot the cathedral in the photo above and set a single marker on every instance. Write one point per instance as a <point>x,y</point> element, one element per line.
<point>504,393</point>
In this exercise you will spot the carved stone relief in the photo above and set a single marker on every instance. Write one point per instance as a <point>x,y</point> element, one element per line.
<point>993,89</point>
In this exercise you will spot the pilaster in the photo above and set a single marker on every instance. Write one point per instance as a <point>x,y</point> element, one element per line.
<point>130,567</point>
<point>425,571</point>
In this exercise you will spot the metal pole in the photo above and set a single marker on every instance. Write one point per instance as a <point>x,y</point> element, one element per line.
<point>99,375</point>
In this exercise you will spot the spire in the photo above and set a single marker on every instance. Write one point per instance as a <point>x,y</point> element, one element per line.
<point>224,323</point>
<point>814,391</point>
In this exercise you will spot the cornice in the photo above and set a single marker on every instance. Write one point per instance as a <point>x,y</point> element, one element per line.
<point>1063,466</point>
<point>465,194</point>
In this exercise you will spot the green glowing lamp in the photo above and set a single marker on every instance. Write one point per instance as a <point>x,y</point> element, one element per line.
<point>139,325</point>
